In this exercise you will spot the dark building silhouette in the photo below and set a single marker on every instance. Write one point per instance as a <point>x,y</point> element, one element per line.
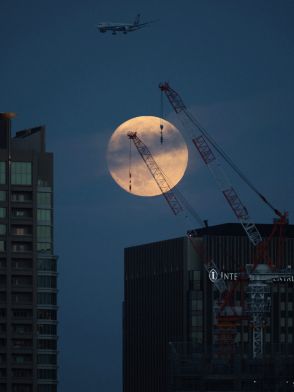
<point>168,317</point>
<point>28,288</point>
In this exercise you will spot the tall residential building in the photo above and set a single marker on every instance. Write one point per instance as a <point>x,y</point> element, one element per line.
<point>28,288</point>
<point>169,334</point>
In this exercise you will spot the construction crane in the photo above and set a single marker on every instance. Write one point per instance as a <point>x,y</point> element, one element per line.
<point>260,274</point>
<point>177,202</point>
<point>156,173</point>
<point>227,315</point>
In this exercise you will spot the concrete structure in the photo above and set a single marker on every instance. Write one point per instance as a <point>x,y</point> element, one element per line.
<point>168,339</point>
<point>28,288</point>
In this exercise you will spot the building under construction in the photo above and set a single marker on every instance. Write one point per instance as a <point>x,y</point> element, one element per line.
<point>172,340</point>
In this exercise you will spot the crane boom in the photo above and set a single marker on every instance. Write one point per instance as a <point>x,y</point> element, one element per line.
<point>199,139</point>
<point>156,173</point>
<point>174,203</point>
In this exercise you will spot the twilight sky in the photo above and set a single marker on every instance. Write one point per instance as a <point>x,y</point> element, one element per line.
<point>231,61</point>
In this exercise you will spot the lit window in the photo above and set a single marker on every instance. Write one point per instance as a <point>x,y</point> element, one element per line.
<point>2,173</point>
<point>21,173</point>
<point>21,230</point>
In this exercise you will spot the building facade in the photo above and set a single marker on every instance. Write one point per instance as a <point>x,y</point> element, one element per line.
<point>169,320</point>
<point>28,276</point>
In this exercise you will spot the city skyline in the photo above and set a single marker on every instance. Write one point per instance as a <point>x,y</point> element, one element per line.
<point>233,66</point>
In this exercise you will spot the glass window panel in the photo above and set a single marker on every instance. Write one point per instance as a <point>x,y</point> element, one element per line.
<point>44,216</point>
<point>22,280</point>
<point>22,314</point>
<point>21,196</point>
<point>47,281</point>
<point>21,246</point>
<point>44,247</point>
<point>46,329</point>
<point>196,321</point>
<point>44,199</point>
<point>47,359</point>
<point>2,212</point>
<point>2,195</point>
<point>2,173</point>
<point>22,298</point>
<point>44,233</point>
<point>2,229</point>
<point>2,246</point>
<point>46,298</point>
<point>46,314</point>
<point>21,230</point>
<point>46,265</point>
<point>47,374</point>
<point>47,388</point>
<point>21,173</point>
<point>22,264</point>
<point>47,344</point>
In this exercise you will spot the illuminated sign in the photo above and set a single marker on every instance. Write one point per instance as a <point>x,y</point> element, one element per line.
<point>215,276</point>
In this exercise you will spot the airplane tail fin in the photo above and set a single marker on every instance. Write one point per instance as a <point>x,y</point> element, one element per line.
<point>137,20</point>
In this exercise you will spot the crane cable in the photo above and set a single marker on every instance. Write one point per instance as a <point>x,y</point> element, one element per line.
<point>130,167</point>
<point>161,118</point>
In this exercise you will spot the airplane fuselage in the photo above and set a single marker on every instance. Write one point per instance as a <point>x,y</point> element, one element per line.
<point>124,28</point>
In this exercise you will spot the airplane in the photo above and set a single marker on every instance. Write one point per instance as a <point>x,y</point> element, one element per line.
<point>125,28</point>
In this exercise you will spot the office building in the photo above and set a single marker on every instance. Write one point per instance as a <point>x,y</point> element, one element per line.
<point>28,288</point>
<point>169,328</point>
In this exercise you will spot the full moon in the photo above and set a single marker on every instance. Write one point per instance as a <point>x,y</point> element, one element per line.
<point>171,155</point>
